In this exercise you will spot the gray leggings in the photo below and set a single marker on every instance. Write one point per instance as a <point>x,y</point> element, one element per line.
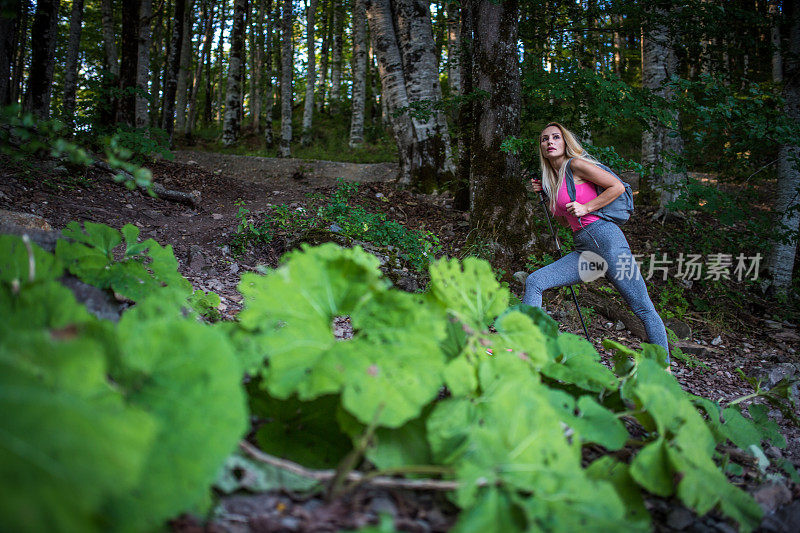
<point>607,240</point>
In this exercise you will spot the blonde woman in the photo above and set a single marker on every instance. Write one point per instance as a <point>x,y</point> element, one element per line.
<point>558,151</point>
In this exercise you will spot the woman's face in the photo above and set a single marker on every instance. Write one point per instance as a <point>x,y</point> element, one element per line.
<point>552,142</point>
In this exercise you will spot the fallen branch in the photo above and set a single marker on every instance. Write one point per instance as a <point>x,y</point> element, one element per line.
<point>613,311</point>
<point>188,198</point>
<point>354,477</point>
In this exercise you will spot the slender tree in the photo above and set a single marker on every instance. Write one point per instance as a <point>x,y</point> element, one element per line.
<point>71,63</point>
<point>287,59</point>
<point>221,83</point>
<point>205,50</point>
<point>453,46</point>
<point>787,193</point>
<point>20,42</point>
<point>157,65</point>
<point>327,36</point>
<point>499,212</point>
<point>9,21</point>
<point>43,47</point>
<point>143,64</point>
<point>336,60</point>
<point>359,74</point>
<point>171,84</point>
<point>183,69</point>
<point>308,108</point>
<point>257,70</point>
<point>775,40</point>
<point>109,37</point>
<point>233,96</point>
<point>126,103</point>
<point>269,97</point>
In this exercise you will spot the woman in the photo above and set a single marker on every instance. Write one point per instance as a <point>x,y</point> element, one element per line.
<point>558,148</point>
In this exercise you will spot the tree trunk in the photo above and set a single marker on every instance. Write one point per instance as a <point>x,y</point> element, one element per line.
<point>465,117</point>
<point>222,81</point>
<point>421,69</point>
<point>453,48</point>
<point>109,37</point>
<point>43,47</point>
<point>327,36</point>
<point>257,53</point>
<point>21,40</point>
<point>359,74</point>
<point>171,84</point>
<point>204,51</point>
<point>233,95</point>
<point>70,65</point>
<point>661,143</point>
<point>126,103</point>
<point>287,59</point>
<point>336,61</point>
<point>143,65</point>
<point>787,194</point>
<point>775,39</point>
<point>308,109</point>
<point>156,47</point>
<point>9,23</point>
<point>269,97</point>
<point>183,70</point>
<point>500,213</point>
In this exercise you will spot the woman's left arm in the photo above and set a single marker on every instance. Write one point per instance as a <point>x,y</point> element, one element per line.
<point>587,171</point>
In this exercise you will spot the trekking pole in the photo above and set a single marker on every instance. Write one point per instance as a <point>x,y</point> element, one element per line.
<point>558,247</point>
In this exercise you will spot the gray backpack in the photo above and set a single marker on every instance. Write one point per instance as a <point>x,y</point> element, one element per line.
<point>618,211</point>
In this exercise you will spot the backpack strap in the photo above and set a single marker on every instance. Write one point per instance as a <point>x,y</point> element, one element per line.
<point>569,180</point>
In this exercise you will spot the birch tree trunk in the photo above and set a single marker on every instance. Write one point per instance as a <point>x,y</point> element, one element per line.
<point>287,60</point>
<point>143,65</point>
<point>453,48</point>
<point>205,50</point>
<point>171,84</point>
<point>787,194</point>
<point>359,74</point>
<point>221,82</point>
<point>269,97</point>
<point>336,61</point>
<point>70,65</point>
<point>233,95</point>
<point>500,213</point>
<point>327,36</point>
<point>183,70</point>
<point>775,39</point>
<point>662,144</point>
<point>43,47</point>
<point>109,37</point>
<point>308,109</point>
<point>409,74</point>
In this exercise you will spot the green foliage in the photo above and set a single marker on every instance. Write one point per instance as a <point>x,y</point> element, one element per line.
<point>145,268</point>
<point>102,421</point>
<point>141,145</point>
<point>336,216</point>
<point>671,301</point>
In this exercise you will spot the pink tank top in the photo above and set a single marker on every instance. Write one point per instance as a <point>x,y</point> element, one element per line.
<point>584,192</point>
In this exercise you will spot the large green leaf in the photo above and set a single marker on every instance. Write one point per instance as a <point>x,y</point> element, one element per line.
<point>468,290</point>
<point>25,263</point>
<point>576,362</point>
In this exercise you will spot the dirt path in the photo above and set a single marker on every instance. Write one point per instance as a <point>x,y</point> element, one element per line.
<point>286,172</point>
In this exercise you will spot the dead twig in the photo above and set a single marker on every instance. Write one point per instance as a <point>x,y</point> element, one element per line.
<point>353,477</point>
<point>188,198</point>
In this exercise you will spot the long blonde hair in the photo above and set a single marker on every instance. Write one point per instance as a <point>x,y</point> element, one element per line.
<point>552,179</point>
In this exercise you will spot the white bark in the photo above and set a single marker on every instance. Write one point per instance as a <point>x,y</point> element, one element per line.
<point>233,98</point>
<point>109,37</point>
<point>287,62</point>
<point>660,145</point>
<point>308,109</point>
<point>454,48</point>
<point>71,65</point>
<point>359,74</point>
<point>787,194</point>
<point>775,39</point>
<point>183,71</point>
<point>143,64</point>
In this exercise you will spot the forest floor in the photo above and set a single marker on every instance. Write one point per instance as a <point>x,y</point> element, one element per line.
<point>201,239</point>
